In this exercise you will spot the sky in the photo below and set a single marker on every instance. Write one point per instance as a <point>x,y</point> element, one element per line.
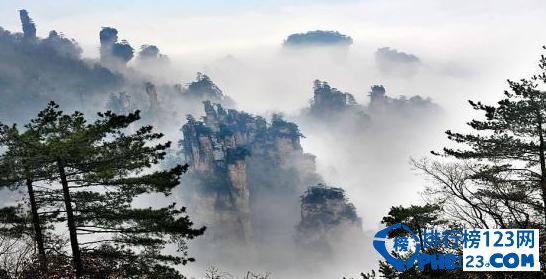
<point>191,26</point>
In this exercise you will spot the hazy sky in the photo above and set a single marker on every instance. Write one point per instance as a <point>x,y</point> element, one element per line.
<point>179,27</point>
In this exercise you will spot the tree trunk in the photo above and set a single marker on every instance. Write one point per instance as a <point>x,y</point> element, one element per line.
<point>542,171</point>
<point>542,167</point>
<point>76,255</point>
<point>38,237</point>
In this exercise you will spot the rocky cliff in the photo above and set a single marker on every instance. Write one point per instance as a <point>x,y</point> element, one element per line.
<point>326,215</point>
<point>237,160</point>
<point>329,103</point>
<point>204,89</point>
<point>327,100</point>
<point>36,70</point>
<point>381,103</point>
<point>343,115</point>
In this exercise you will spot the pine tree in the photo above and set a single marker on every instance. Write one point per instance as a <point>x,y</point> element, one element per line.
<point>97,171</point>
<point>21,166</point>
<point>419,218</point>
<point>509,147</point>
<point>416,217</point>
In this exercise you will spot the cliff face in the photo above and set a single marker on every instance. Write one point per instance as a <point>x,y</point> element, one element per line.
<point>380,103</point>
<point>29,28</point>
<point>113,53</point>
<point>235,159</point>
<point>36,70</point>
<point>327,99</point>
<point>326,214</point>
<point>203,89</point>
<point>329,103</point>
<point>318,38</point>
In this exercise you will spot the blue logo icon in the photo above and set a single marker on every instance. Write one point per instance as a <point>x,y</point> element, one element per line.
<point>379,244</point>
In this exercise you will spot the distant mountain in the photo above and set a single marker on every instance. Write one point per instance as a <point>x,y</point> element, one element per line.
<point>392,61</point>
<point>318,38</point>
<point>36,70</point>
<point>330,104</point>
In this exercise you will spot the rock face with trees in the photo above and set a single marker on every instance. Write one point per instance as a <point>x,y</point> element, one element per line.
<point>325,215</point>
<point>231,155</point>
<point>327,100</point>
<point>318,38</point>
<point>240,163</point>
<point>330,103</point>
<point>36,70</point>
<point>204,89</point>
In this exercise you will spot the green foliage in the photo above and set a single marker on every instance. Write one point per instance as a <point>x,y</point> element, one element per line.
<point>416,217</point>
<point>14,221</point>
<point>509,147</point>
<point>101,169</point>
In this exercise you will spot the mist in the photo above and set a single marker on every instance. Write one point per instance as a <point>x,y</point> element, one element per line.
<point>439,50</point>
